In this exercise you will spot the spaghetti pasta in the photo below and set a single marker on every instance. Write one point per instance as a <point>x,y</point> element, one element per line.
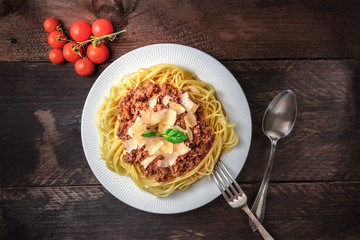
<point>112,148</point>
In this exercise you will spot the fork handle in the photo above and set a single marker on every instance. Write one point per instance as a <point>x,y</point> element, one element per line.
<point>258,225</point>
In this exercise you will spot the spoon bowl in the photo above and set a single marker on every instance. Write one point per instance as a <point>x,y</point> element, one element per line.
<point>279,119</point>
<point>280,115</point>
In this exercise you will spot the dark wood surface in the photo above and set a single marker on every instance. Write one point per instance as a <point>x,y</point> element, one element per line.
<point>48,191</point>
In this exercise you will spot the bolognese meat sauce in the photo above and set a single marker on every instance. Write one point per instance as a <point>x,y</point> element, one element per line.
<point>153,96</point>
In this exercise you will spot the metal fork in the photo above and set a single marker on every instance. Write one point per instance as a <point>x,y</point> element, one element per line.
<point>234,195</point>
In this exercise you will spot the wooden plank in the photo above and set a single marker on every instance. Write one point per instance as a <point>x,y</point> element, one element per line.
<point>227,30</point>
<point>42,105</point>
<point>294,211</point>
<point>324,142</point>
<point>41,143</point>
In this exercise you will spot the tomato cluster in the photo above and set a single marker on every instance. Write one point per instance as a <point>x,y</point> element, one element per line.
<point>82,34</point>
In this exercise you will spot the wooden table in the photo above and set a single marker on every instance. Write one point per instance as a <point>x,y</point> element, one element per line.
<point>47,190</point>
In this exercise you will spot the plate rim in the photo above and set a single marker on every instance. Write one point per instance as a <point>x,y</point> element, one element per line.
<point>140,49</point>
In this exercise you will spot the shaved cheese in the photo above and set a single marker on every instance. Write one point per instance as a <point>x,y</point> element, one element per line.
<point>185,101</point>
<point>163,127</point>
<point>166,148</point>
<point>146,116</point>
<point>189,105</point>
<point>153,101</point>
<point>189,133</point>
<point>180,149</point>
<point>168,161</point>
<point>153,144</point>
<point>166,100</point>
<point>137,128</point>
<point>130,144</point>
<point>190,119</point>
<point>164,116</point>
<point>169,117</point>
<point>177,127</point>
<point>156,117</point>
<point>194,108</point>
<point>130,130</point>
<point>141,140</point>
<point>194,89</point>
<point>147,161</point>
<point>176,107</point>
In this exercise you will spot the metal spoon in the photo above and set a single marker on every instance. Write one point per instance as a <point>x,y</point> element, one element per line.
<point>278,121</point>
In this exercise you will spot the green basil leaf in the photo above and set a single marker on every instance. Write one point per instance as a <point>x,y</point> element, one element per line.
<point>174,136</point>
<point>149,134</point>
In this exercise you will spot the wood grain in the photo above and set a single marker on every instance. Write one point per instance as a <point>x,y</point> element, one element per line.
<point>47,190</point>
<point>42,104</point>
<point>324,142</point>
<point>41,143</point>
<point>228,30</point>
<point>320,210</point>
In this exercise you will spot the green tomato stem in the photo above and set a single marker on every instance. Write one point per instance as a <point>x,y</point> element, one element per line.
<point>94,39</point>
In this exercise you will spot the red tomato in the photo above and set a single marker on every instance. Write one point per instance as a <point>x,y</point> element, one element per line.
<point>80,31</point>
<point>84,67</point>
<point>52,39</point>
<point>98,54</point>
<point>102,27</point>
<point>56,56</point>
<point>50,24</point>
<point>69,53</point>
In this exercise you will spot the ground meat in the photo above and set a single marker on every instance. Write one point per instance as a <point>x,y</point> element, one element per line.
<point>136,155</point>
<point>203,139</point>
<point>129,108</point>
<point>138,100</point>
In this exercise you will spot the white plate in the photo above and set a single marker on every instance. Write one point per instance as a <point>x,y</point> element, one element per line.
<point>208,69</point>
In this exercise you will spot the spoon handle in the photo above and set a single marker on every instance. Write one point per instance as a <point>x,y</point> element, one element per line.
<point>258,207</point>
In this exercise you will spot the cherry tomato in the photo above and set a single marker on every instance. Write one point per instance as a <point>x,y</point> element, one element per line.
<point>50,24</point>
<point>97,54</point>
<point>69,53</point>
<point>52,39</point>
<point>80,31</point>
<point>56,56</point>
<point>102,27</point>
<point>84,67</point>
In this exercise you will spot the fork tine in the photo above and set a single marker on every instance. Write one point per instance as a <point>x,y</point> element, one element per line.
<point>226,183</point>
<point>223,184</point>
<point>221,188</point>
<point>221,164</point>
<point>229,179</point>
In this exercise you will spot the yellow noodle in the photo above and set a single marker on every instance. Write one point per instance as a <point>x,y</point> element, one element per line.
<point>112,150</point>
